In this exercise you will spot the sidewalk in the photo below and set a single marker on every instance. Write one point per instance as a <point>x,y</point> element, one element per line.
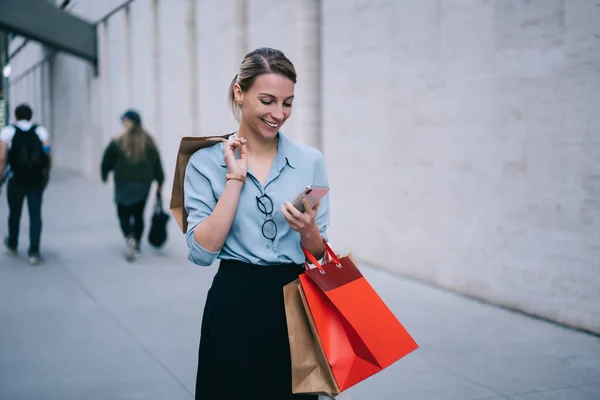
<point>88,325</point>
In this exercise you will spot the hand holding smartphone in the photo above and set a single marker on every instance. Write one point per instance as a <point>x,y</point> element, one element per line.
<point>313,194</point>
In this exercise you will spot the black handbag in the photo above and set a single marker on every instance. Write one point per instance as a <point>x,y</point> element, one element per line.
<point>158,230</point>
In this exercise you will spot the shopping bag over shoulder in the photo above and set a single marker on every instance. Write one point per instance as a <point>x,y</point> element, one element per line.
<point>310,371</point>
<point>187,147</point>
<point>359,334</point>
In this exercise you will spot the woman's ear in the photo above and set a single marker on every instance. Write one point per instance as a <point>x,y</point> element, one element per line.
<point>238,94</point>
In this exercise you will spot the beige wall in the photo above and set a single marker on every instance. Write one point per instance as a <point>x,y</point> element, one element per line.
<point>461,137</point>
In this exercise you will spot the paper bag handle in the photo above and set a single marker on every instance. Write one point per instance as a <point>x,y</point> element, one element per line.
<point>328,252</point>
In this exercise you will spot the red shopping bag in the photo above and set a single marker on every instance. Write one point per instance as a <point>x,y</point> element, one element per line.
<point>359,334</point>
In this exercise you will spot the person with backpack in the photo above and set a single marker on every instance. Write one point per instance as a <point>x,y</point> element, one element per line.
<point>25,150</point>
<point>135,161</point>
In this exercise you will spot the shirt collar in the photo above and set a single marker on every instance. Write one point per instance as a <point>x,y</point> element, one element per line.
<point>24,123</point>
<point>287,152</point>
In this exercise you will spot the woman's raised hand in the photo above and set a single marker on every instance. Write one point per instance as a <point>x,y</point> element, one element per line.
<point>236,165</point>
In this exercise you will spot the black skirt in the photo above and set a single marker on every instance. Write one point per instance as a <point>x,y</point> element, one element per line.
<point>244,348</point>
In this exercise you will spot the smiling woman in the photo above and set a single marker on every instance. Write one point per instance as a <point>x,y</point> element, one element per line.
<point>254,66</point>
<point>266,105</point>
<point>237,197</point>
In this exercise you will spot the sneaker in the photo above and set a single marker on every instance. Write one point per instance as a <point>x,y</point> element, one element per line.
<point>131,249</point>
<point>35,259</point>
<point>9,250</point>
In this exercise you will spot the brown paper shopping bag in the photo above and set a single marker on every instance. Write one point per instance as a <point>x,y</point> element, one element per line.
<point>358,333</point>
<point>310,371</point>
<point>187,147</point>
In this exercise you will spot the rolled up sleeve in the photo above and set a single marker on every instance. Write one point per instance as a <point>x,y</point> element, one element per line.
<point>199,204</point>
<point>320,179</point>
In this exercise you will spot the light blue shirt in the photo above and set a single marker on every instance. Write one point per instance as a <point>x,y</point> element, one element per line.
<point>294,168</point>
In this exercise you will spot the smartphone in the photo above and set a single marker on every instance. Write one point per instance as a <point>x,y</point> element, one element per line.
<point>312,193</point>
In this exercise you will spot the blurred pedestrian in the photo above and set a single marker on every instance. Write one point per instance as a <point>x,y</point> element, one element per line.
<point>25,155</point>
<point>135,161</point>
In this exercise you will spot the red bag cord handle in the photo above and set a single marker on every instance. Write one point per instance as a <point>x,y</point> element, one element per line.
<point>313,260</point>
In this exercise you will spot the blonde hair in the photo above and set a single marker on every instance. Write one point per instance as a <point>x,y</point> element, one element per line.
<point>261,61</point>
<point>135,142</point>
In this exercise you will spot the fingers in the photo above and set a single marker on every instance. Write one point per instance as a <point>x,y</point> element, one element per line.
<point>310,211</point>
<point>308,208</point>
<point>243,151</point>
<point>294,223</point>
<point>228,152</point>
<point>236,143</point>
<point>293,211</point>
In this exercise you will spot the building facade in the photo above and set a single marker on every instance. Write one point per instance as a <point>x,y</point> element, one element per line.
<point>461,138</point>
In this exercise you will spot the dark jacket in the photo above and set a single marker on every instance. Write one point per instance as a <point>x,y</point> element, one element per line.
<point>125,170</point>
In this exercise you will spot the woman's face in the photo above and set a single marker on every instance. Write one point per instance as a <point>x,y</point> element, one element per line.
<point>127,124</point>
<point>267,104</point>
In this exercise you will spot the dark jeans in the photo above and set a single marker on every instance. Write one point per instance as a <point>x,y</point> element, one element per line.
<point>131,218</point>
<point>16,193</point>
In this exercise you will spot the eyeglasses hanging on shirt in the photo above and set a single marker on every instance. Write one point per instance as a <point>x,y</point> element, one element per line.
<point>265,206</point>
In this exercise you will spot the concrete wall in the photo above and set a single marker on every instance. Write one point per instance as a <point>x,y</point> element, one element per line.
<point>461,137</point>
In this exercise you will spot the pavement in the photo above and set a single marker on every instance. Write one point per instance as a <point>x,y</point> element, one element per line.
<point>89,325</point>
